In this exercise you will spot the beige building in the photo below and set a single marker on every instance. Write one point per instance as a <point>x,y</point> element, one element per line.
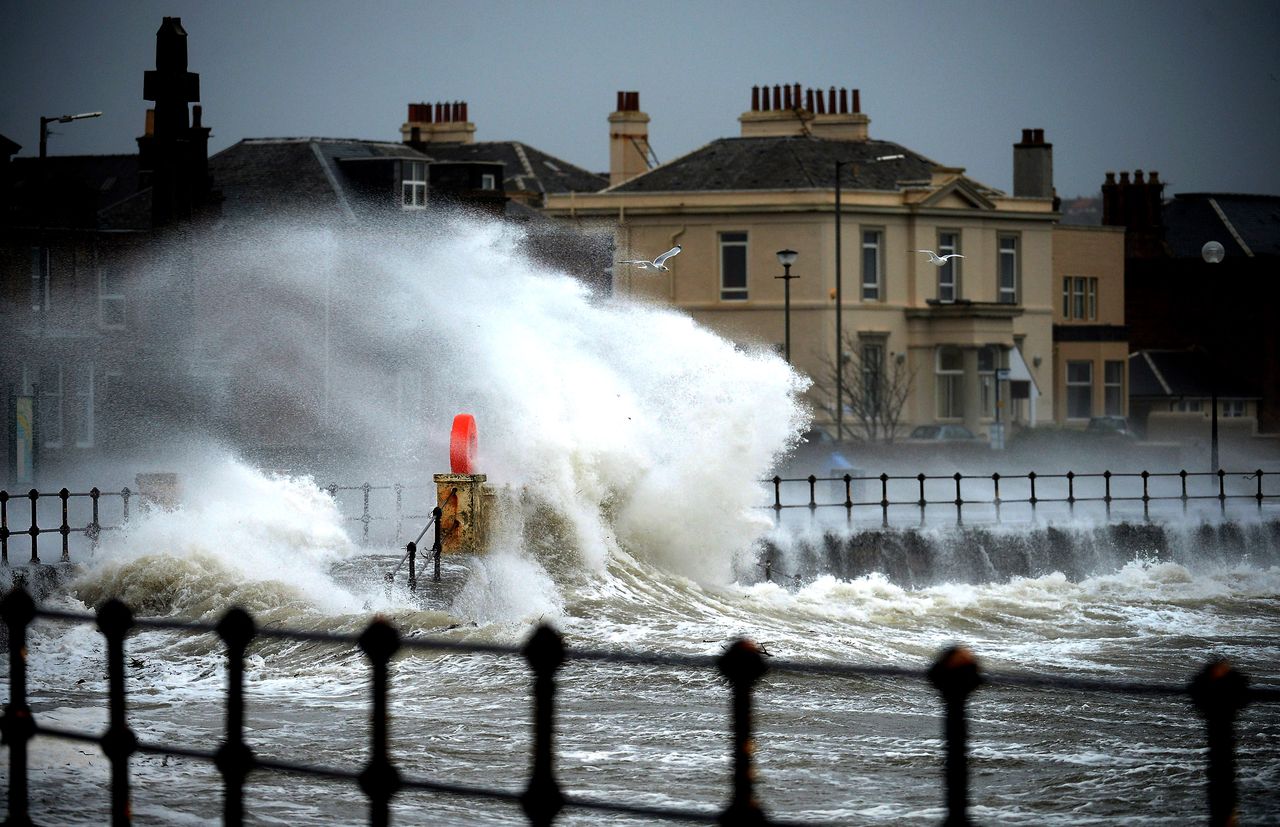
<point>934,337</point>
<point>1090,339</point>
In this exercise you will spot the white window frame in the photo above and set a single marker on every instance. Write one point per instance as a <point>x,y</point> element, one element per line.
<point>413,185</point>
<point>1007,272</point>
<point>1232,408</point>
<point>872,364</point>
<point>110,299</point>
<point>729,240</point>
<point>1079,386</point>
<point>949,273</point>
<point>1112,386</point>
<point>952,380</point>
<point>987,379</point>
<point>873,282</point>
<point>488,181</point>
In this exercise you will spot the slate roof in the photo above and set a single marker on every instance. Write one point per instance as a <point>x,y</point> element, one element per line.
<point>1172,374</point>
<point>1190,219</point>
<point>527,168</point>
<point>78,188</point>
<point>786,163</point>
<point>293,174</point>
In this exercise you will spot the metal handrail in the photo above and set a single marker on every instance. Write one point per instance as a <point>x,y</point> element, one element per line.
<point>411,553</point>
<point>1218,693</point>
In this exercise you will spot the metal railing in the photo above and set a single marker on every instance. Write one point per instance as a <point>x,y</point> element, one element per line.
<point>1218,692</point>
<point>1031,489</point>
<point>411,554</point>
<point>369,515</point>
<point>92,530</point>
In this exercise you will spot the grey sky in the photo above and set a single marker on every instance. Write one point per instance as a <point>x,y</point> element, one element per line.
<point>1191,89</point>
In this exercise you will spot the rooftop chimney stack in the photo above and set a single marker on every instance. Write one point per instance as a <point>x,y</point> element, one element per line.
<point>794,110</point>
<point>628,139</point>
<point>438,123</point>
<point>1033,166</point>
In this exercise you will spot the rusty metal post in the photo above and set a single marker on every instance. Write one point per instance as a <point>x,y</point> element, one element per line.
<point>742,666</point>
<point>65,528</point>
<point>435,546</point>
<point>1220,692</point>
<point>542,799</point>
<point>234,758</point>
<point>17,725</point>
<point>379,780</point>
<point>955,676</point>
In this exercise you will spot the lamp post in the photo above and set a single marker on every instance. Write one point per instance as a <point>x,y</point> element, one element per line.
<point>786,258</point>
<point>1212,253</point>
<point>45,121</point>
<point>840,294</point>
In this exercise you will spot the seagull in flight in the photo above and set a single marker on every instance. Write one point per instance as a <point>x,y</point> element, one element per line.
<point>936,259</point>
<point>657,263</point>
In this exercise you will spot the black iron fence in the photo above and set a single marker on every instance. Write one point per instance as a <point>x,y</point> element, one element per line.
<point>73,513</point>
<point>888,497</point>
<point>1218,692</point>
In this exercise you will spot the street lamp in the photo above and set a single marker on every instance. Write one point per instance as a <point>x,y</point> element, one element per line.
<point>840,293</point>
<point>1212,253</point>
<point>787,258</point>
<point>45,121</point>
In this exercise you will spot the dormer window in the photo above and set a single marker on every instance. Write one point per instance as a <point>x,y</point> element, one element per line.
<point>414,184</point>
<point>488,182</point>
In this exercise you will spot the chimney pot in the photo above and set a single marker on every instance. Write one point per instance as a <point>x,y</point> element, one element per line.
<point>844,101</point>
<point>1153,177</point>
<point>1026,136</point>
<point>857,101</point>
<point>1124,178</point>
<point>795,94</point>
<point>808,99</point>
<point>196,112</point>
<point>1137,176</point>
<point>1037,135</point>
<point>831,100</point>
<point>439,107</point>
<point>464,111</point>
<point>621,104</point>
<point>755,98</point>
<point>786,97</point>
<point>820,99</point>
<point>1111,178</point>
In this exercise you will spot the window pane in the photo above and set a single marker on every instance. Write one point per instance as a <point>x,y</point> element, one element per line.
<point>733,266</point>
<point>871,290</point>
<point>949,358</point>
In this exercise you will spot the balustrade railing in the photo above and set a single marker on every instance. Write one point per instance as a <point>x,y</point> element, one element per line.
<point>1218,692</point>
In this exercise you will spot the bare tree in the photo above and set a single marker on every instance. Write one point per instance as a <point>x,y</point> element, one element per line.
<point>875,388</point>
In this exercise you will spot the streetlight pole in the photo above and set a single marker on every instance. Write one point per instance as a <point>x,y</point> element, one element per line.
<point>786,258</point>
<point>1212,253</point>
<point>46,120</point>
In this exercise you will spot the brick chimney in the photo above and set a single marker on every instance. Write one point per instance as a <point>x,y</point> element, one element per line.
<point>628,139</point>
<point>438,123</point>
<point>1138,206</point>
<point>782,110</point>
<point>173,154</point>
<point>1033,166</point>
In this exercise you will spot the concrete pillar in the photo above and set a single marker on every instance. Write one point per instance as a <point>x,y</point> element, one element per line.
<point>464,519</point>
<point>972,389</point>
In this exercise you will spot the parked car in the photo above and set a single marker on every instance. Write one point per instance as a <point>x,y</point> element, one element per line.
<point>941,432</point>
<point>1109,426</point>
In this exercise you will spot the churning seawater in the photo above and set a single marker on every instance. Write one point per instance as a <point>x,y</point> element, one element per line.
<point>630,442</point>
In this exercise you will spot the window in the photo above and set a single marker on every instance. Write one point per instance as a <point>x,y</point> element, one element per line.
<point>987,378</point>
<point>414,186</point>
<point>488,182</point>
<point>39,278</point>
<point>1113,388</point>
<point>733,266</point>
<point>1187,406</point>
<point>110,298</point>
<point>1233,407</point>
<point>872,285</point>
<point>872,364</point>
<point>48,391</point>
<point>1008,290</point>
<point>950,383</point>
<point>82,413</point>
<point>949,273</point>
<point>1079,390</point>
<point>1079,298</point>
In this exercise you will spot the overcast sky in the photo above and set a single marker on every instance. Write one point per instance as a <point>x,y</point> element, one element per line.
<point>1189,88</point>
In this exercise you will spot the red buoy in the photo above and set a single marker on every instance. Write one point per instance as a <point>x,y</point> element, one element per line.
<point>462,444</point>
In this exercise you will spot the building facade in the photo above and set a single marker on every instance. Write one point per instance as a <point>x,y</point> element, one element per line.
<point>969,342</point>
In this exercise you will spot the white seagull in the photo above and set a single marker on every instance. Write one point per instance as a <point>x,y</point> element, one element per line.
<point>657,263</point>
<point>936,259</point>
